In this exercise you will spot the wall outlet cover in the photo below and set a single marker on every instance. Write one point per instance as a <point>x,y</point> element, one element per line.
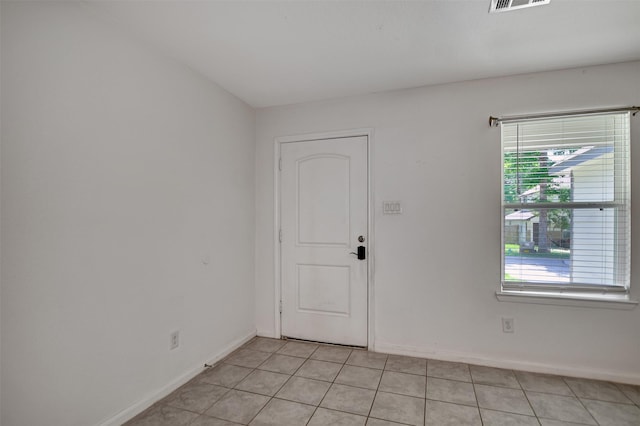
<point>507,325</point>
<point>174,340</point>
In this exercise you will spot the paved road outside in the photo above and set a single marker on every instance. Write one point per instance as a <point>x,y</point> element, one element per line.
<point>537,269</point>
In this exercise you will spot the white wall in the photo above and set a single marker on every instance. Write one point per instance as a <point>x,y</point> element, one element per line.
<point>121,172</point>
<point>0,223</point>
<point>438,264</point>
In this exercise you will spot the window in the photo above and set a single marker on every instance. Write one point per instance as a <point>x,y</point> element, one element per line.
<point>566,205</point>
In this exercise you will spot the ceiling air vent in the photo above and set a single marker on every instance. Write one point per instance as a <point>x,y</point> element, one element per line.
<point>507,5</point>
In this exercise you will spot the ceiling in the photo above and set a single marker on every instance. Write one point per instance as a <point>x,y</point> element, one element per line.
<point>274,53</point>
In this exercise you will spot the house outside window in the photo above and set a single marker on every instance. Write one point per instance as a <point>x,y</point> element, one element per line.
<point>566,205</point>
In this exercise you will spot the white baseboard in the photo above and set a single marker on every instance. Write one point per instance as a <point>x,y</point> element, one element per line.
<point>146,402</point>
<point>563,370</point>
<point>264,333</point>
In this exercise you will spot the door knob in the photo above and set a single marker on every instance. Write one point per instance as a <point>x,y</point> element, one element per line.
<point>361,254</point>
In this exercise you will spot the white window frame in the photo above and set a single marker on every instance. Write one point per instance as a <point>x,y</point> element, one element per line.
<point>591,296</point>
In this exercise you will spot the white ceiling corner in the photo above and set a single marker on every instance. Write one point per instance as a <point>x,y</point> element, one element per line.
<point>281,52</point>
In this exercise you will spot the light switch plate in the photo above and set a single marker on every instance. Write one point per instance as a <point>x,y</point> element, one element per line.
<point>391,207</point>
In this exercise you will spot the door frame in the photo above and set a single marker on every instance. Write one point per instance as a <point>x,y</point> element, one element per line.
<point>368,132</point>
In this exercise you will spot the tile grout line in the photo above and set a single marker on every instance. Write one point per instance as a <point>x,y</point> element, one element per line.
<point>473,386</point>
<point>238,390</point>
<point>332,383</point>
<point>198,378</point>
<point>517,413</point>
<point>617,385</point>
<point>375,395</point>
<point>212,404</point>
<point>252,371</point>
<point>271,398</point>
<point>527,397</point>
<point>377,390</point>
<point>317,406</point>
<point>503,411</point>
<point>343,365</point>
<point>163,402</point>
<point>578,398</point>
<point>426,387</point>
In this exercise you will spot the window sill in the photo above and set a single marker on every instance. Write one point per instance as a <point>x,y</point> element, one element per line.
<point>607,301</point>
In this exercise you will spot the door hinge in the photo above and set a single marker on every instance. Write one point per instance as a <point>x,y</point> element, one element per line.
<point>280,235</point>
<point>280,164</point>
<point>281,306</point>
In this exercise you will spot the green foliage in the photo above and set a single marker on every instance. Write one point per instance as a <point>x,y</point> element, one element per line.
<point>524,171</point>
<point>527,179</point>
<point>560,218</point>
<point>556,253</point>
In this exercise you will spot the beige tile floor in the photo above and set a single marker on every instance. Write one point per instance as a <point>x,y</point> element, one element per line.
<point>277,382</point>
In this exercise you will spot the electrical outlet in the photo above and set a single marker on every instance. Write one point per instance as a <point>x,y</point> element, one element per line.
<point>174,340</point>
<point>507,325</point>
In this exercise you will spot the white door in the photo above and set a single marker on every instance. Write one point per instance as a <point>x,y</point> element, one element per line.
<point>324,199</point>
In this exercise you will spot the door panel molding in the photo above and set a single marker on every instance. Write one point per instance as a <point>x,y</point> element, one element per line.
<point>312,293</point>
<point>342,233</point>
<point>369,134</point>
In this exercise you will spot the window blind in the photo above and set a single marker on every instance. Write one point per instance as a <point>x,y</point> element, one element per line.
<point>566,198</point>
